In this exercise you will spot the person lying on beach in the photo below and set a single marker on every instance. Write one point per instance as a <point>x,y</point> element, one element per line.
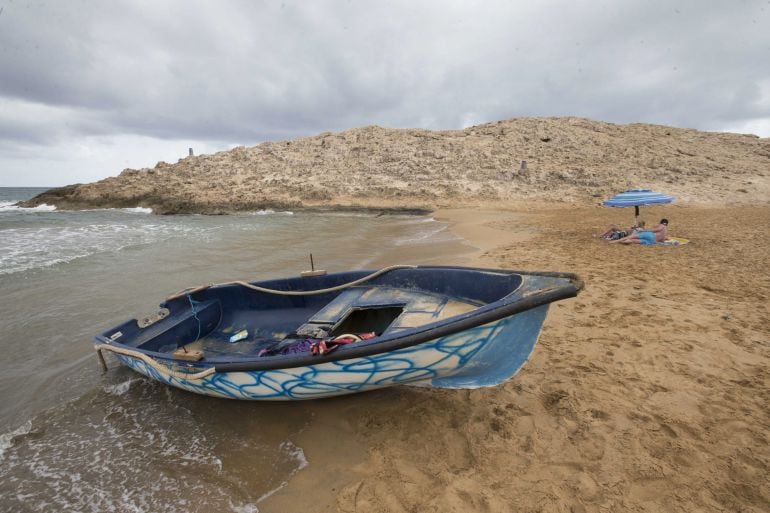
<point>647,237</point>
<point>615,232</point>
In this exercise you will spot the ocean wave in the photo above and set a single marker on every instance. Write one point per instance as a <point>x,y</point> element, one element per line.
<point>10,206</point>
<point>98,443</point>
<point>416,219</point>
<point>296,453</point>
<point>292,452</point>
<point>138,210</point>
<point>45,246</point>
<point>6,439</point>
<point>268,212</point>
<point>120,388</point>
<point>130,210</point>
<point>246,508</point>
<point>436,234</point>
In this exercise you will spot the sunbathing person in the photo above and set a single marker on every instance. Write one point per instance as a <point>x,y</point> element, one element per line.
<point>647,237</point>
<point>615,232</point>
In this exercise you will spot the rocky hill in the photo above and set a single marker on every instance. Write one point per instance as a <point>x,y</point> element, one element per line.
<point>567,159</point>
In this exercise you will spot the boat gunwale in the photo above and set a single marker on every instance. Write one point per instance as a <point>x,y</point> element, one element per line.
<point>491,312</point>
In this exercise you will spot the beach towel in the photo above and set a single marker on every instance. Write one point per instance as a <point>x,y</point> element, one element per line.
<point>674,241</point>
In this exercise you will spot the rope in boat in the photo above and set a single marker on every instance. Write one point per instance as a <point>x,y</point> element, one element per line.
<point>154,364</point>
<point>296,292</point>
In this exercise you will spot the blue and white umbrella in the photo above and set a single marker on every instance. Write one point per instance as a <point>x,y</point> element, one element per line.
<point>637,197</point>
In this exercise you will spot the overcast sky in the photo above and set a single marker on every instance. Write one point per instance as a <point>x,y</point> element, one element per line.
<point>88,88</point>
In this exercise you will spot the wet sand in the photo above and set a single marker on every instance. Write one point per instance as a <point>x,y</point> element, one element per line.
<point>648,392</point>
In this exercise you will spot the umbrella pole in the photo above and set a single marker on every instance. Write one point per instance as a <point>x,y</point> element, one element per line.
<point>636,213</point>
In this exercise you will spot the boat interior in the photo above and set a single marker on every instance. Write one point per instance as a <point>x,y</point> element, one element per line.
<point>232,321</point>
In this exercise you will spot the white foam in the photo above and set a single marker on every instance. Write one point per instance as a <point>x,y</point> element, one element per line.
<point>296,453</point>
<point>245,508</point>
<point>138,210</point>
<point>417,220</point>
<point>87,459</point>
<point>9,206</point>
<point>120,388</point>
<point>46,246</point>
<point>269,212</point>
<point>435,234</point>
<point>272,492</point>
<point>6,439</point>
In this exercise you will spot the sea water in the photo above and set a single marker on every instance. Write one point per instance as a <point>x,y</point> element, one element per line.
<point>75,439</point>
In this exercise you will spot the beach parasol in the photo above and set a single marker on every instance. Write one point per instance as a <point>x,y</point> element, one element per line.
<point>637,197</point>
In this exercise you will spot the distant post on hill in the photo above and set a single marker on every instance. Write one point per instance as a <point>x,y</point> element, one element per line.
<point>523,169</point>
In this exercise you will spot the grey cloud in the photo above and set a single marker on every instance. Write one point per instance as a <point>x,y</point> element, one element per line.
<point>248,71</point>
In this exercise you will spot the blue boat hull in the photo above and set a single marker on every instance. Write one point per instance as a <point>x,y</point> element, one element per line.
<point>493,322</point>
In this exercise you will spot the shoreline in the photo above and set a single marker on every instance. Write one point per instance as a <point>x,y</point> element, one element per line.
<point>221,211</point>
<point>650,384</point>
<point>318,487</point>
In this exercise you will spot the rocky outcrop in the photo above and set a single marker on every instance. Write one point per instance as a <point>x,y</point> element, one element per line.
<point>567,159</point>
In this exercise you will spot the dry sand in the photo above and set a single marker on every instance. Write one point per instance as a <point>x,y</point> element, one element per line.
<point>647,393</point>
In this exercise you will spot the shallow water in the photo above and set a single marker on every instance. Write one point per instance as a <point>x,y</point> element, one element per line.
<point>74,439</point>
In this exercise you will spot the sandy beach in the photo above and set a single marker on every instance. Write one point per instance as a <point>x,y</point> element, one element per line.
<point>647,393</point>
<point>214,214</point>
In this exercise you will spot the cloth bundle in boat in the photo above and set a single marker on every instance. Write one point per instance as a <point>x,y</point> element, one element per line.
<point>315,346</point>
